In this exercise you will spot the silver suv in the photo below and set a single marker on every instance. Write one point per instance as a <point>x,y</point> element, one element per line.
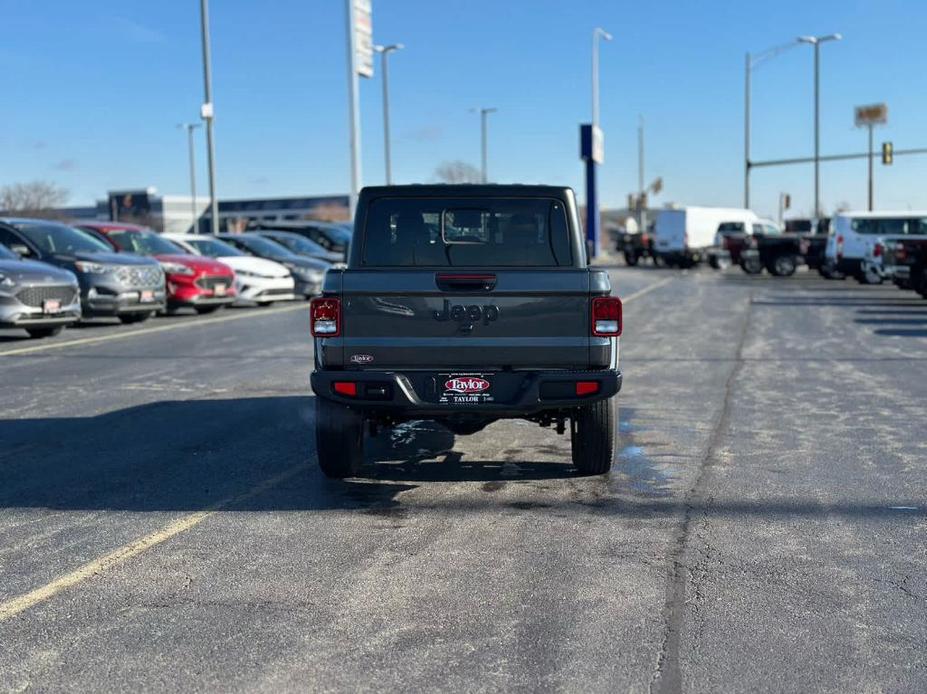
<point>37,297</point>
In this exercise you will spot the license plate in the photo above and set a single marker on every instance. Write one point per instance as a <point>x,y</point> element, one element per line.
<point>219,290</point>
<point>146,296</point>
<point>465,389</point>
<point>51,306</point>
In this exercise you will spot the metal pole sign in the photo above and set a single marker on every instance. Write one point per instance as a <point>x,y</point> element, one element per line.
<point>873,114</point>
<point>868,117</point>
<point>592,151</point>
<point>363,37</point>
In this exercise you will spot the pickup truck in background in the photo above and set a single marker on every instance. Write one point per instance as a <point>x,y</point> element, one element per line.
<point>465,304</point>
<point>906,262</point>
<point>635,245</point>
<point>781,253</point>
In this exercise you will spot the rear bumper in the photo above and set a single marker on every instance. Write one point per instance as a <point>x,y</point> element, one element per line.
<point>417,393</point>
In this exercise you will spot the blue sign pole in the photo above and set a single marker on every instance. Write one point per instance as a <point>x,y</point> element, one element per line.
<point>591,150</point>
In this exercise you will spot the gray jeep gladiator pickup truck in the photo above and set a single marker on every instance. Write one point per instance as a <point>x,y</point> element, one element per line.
<point>465,304</point>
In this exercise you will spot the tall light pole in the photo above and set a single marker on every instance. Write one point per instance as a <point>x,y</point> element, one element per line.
<point>816,41</point>
<point>592,149</point>
<point>190,127</point>
<point>597,33</point>
<point>642,215</point>
<point>384,52</point>
<point>208,114</point>
<point>752,62</point>
<point>484,144</point>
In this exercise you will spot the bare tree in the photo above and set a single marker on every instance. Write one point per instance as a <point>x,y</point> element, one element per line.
<point>457,172</point>
<point>34,199</point>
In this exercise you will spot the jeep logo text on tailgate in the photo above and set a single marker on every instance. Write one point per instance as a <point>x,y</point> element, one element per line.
<point>474,313</point>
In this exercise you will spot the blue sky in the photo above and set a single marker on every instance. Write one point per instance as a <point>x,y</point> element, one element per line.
<point>93,92</point>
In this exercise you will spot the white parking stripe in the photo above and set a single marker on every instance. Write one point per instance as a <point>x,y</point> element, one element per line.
<point>646,290</point>
<point>154,329</point>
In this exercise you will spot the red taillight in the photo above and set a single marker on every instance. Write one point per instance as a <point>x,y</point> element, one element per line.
<point>346,388</point>
<point>325,317</point>
<point>606,316</point>
<point>587,387</point>
<point>877,250</point>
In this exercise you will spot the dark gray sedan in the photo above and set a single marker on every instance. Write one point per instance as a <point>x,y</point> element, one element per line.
<point>37,297</point>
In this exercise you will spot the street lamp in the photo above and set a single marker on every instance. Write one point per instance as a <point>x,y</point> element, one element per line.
<point>207,114</point>
<point>597,33</point>
<point>190,127</point>
<point>484,112</point>
<point>816,41</point>
<point>384,52</point>
<point>753,61</point>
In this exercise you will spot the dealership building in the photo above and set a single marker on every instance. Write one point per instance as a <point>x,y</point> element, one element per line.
<point>181,213</point>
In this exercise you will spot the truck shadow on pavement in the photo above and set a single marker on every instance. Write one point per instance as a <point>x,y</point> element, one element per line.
<point>185,456</point>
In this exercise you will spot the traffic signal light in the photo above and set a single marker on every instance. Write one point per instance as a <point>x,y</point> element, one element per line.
<point>888,153</point>
<point>786,201</point>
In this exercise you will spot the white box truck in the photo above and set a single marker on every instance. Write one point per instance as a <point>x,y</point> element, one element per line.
<point>684,236</point>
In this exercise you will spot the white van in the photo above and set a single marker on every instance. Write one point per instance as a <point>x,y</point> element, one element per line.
<point>684,236</point>
<point>858,241</point>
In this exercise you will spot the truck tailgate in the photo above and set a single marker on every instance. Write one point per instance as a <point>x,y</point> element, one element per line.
<point>458,319</point>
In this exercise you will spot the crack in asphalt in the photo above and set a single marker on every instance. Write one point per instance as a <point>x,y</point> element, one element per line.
<point>667,676</point>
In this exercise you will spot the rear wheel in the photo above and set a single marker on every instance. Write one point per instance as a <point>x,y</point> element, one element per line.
<point>631,258</point>
<point>784,265</point>
<point>869,275</point>
<point>339,439</point>
<point>592,436</point>
<point>751,265</point>
<point>829,271</point>
<point>136,317</point>
<point>39,333</point>
<point>919,283</point>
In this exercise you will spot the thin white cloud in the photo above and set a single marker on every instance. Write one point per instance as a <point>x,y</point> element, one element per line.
<point>135,31</point>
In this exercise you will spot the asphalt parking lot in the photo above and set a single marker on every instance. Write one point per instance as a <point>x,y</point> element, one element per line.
<point>163,524</point>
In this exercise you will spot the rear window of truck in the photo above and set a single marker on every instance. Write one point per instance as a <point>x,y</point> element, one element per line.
<point>491,232</point>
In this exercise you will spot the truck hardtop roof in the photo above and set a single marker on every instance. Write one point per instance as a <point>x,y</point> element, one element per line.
<point>517,190</point>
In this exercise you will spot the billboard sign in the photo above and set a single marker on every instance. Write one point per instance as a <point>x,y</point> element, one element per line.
<point>363,37</point>
<point>873,114</point>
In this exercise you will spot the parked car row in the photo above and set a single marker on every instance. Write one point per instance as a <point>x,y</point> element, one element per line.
<point>54,274</point>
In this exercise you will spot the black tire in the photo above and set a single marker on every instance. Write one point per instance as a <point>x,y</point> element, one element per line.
<point>593,431</point>
<point>39,333</point>
<point>202,310</point>
<point>339,439</point>
<point>631,258</point>
<point>129,318</point>
<point>919,282</point>
<point>868,275</point>
<point>752,265</point>
<point>829,272</point>
<point>783,265</point>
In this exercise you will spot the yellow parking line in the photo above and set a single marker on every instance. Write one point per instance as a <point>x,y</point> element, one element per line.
<point>153,329</point>
<point>14,606</point>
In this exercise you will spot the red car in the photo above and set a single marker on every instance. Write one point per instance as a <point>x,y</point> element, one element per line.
<point>193,281</point>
